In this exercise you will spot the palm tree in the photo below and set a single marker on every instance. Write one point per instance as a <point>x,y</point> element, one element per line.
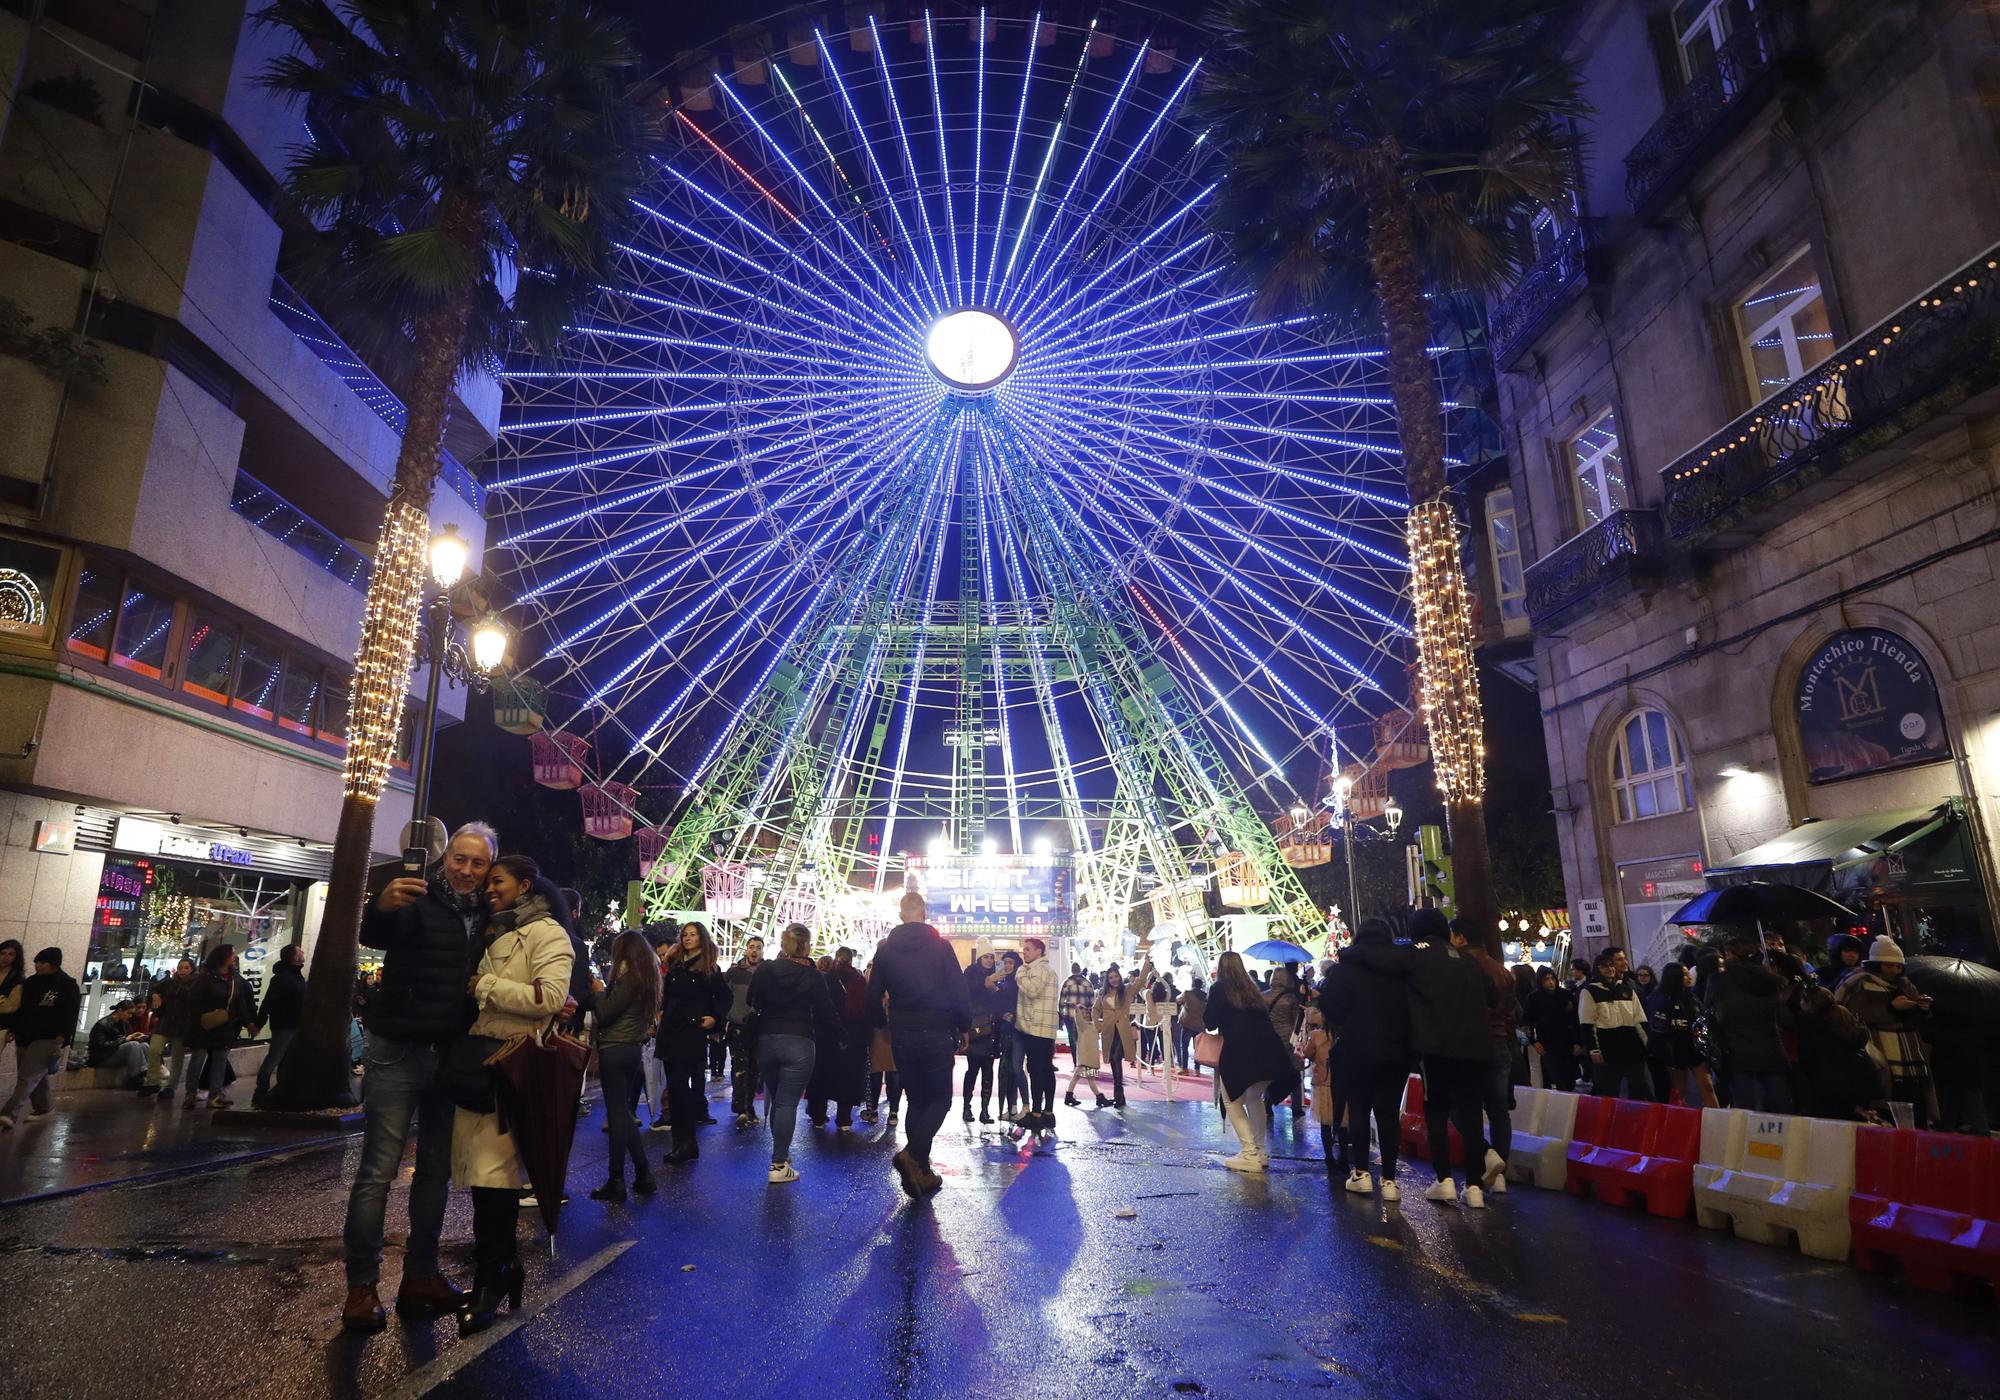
<point>465,167</point>
<point>1382,156</point>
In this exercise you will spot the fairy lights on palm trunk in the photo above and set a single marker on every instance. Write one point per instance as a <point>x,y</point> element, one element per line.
<point>388,650</point>
<point>1447,678</point>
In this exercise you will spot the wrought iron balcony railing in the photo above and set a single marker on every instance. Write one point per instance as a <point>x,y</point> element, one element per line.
<point>1714,105</point>
<point>1623,550</point>
<point>279,518</point>
<point>1519,318</point>
<point>307,324</point>
<point>1921,361</point>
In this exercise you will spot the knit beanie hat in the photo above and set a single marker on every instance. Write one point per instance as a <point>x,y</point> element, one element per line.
<point>1883,950</point>
<point>51,956</point>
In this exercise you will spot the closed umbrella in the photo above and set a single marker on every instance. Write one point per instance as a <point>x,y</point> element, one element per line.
<point>1278,950</point>
<point>1957,986</point>
<point>1761,902</point>
<point>538,1082</point>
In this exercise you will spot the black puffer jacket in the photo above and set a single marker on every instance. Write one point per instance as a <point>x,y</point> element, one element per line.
<point>1450,995</point>
<point>220,992</point>
<point>788,997</point>
<point>1368,1011</point>
<point>284,998</point>
<point>427,959</point>
<point>686,996</point>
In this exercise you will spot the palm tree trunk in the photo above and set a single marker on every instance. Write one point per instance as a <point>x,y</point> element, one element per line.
<point>1442,605</point>
<point>317,1072</point>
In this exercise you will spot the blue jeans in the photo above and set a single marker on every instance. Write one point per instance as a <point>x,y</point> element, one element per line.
<point>786,1064</point>
<point>280,1041</point>
<point>1760,1093</point>
<point>1497,1091</point>
<point>400,1084</point>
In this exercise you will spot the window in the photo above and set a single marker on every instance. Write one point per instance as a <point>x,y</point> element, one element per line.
<point>1702,27</point>
<point>1597,465</point>
<point>1649,769</point>
<point>211,657</point>
<point>333,712</point>
<point>1783,326</point>
<point>96,613</point>
<point>257,679</point>
<point>143,624</point>
<point>298,697</point>
<point>1503,536</point>
<point>28,573</point>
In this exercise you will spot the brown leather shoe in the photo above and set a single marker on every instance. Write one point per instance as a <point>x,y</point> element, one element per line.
<point>363,1311</point>
<point>427,1295</point>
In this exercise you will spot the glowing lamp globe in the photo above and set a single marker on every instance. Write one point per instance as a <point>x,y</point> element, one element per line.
<point>972,351</point>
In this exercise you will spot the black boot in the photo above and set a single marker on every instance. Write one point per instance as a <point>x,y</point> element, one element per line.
<point>985,1108</point>
<point>492,1282</point>
<point>968,1109</point>
<point>1069,1097</point>
<point>1102,1102</point>
<point>613,1191</point>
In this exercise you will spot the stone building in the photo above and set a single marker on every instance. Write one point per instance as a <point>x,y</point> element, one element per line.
<point>1748,526</point>
<point>183,532</point>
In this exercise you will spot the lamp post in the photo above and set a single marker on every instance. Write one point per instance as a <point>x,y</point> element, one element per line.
<point>1340,799</point>
<point>471,663</point>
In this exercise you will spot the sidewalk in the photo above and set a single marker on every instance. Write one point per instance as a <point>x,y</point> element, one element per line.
<point>96,1137</point>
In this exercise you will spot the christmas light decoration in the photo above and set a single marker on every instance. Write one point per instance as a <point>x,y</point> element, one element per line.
<point>1448,680</point>
<point>389,624</point>
<point>1111,563</point>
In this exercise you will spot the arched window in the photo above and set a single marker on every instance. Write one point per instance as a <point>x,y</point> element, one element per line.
<point>1649,769</point>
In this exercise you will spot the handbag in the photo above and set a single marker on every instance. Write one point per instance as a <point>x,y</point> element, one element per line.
<point>463,1075</point>
<point>1208,1049</point>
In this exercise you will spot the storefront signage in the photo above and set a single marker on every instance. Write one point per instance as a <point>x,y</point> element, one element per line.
<point>1867,703</point>
<point>202,849</point>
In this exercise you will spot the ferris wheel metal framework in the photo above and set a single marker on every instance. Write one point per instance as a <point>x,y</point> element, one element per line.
<point>922,471</point>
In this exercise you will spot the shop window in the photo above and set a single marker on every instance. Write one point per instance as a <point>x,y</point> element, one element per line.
<point>1503,536</point>
<point>1597,471</point>
<point>1649,769</point>
<point>333,712</point>
<point>28,573</point>
<point>298,699</point>
<point>1783,326</point>
<point>211,657</point>
<point>96,613</point>
<point>257,679</point>
<point>144,622</point>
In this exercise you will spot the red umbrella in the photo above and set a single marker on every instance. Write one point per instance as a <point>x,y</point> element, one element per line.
<point>539,1083</point>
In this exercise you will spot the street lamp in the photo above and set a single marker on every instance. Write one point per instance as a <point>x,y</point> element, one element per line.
<point>1340,798</point>
<point>1392,813</point>
<point>471,665</point>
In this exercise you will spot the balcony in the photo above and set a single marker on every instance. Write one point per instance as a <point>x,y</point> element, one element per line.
<point>1620,554</point>
<point>1517,322</point>
<point>285,522</point>
<point>313,331</point>
<point>1714,105</point>
<point>1913,367</point>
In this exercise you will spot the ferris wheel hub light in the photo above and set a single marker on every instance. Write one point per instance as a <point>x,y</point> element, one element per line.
<point>972,351</point>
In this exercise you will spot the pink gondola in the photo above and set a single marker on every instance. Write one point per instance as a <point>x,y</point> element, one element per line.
<point>607,810</point>
<point>559,759</point>
<point>651,841</point>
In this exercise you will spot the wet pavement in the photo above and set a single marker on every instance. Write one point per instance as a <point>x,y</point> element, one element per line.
<point>1023,1277</point>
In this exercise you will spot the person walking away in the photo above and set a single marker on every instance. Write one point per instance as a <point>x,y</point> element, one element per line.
<point>1113,1018</point>
<point>1367,1012</point>
<point>1329,1093</point>
<point>882,1078</point>
<point>845,1063</point>
<point>1553,1031</point>
<point>1670,1038</point>
<point>1743,1009</point>
<point>1254,1061</point>
<point>1036,1023</point>
<point>1192,1003</point>
<point>519,988</point>
<point>1286,1008</point>
<point>1496,1089</point>
<point>1006,996</point>
<point>424,927</point>
<point>916,991</point>
<point>43,1028</point>
<point>117,1046</point>
<point>1613,1021</point>
<point>981,1045</point>
<point>626,1013</point>
<point>1450,996</point>
<point>284,1003</point>
<point>1087,1059</point>
<point>1889,1005</point>
<point>740,1034</point>
<point>693,1000</point>
<point>223,1006</point>
<point>796,1019</point>
<point>1076,999</point>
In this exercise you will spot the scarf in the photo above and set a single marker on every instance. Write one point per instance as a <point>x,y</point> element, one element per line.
<point>522,911</point>
<point>466,906</point>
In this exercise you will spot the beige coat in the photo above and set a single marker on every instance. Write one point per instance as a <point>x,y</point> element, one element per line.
<point>1112,1018</point>
<point>523,982</point>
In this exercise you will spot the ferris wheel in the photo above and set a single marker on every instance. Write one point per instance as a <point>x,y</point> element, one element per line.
<point>922,475</point>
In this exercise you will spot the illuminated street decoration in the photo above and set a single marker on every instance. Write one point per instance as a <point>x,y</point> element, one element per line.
<point>920,473</point>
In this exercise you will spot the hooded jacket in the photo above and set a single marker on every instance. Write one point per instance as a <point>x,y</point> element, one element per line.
<point>789,997</point>
<point>917,972</point>
<point>427,958</point>
<point>1367,1008</point>
<point>1449,995</point>
<point>284,999</point>
<point>1743,998</point>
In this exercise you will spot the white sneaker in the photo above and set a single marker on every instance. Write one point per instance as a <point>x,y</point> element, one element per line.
<point>1360,1183</point>
<point>1475,1199</point>
<point>1495,1169</point>
<point>781,1173</point>
<point>660,1127</point>
<point>1499,1186</point>
<point>1391,1191</point>
<point>530,1199</point>
<point>1245,1162</point>
<point>1444,1192</point>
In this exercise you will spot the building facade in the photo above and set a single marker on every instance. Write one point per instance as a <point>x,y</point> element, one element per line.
<point>1748,525</point>
<point>186,516</point>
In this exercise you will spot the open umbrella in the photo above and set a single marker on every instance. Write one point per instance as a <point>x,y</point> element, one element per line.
<point>1957,986</point>
<point>1278,950</point>
<point>1761,902</point>
<point>538,1081</point>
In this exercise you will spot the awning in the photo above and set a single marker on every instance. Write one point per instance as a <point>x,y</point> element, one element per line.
<point>1824,841</point>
